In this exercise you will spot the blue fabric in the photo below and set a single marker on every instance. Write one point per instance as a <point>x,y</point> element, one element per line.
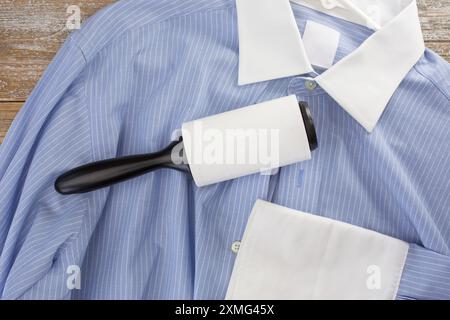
<point>131,76</point>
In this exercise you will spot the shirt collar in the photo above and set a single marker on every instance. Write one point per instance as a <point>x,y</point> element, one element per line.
<point>271,47</point>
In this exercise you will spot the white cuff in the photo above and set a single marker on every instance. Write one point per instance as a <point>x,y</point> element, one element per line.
<point>289,254</point>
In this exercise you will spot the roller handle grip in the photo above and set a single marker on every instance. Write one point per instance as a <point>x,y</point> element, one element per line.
<point>105,173</point>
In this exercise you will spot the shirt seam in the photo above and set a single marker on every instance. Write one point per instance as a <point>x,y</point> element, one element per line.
<point>84,95</point>
<point>77,46</point>
<point>87,106</point>
<point>154,24</point>
<point>432,81</point>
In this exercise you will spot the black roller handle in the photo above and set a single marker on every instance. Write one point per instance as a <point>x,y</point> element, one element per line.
<point>309,125</point>
<point>105,173</point>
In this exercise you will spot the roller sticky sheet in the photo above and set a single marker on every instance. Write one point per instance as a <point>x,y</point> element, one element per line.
<point>229,145</point>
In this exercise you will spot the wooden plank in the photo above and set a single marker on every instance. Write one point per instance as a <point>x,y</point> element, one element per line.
<point>8,111</point>
<point>435,20</point>
<point>30,34</point>
<point>441,48</point>
<point>434,17</point>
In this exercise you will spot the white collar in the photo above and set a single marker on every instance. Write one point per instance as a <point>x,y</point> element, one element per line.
<point>271,47</point>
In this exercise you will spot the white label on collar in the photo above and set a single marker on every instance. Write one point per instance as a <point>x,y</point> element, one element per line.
<point>321,43</point>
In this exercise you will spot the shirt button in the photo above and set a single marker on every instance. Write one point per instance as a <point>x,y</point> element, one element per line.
<point>310,85</point>
<point>235,246</point>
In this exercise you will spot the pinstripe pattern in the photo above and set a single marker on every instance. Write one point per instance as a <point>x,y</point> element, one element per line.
<point>130,77</point>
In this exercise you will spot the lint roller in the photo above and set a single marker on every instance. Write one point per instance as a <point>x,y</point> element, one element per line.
<point>221,147</point>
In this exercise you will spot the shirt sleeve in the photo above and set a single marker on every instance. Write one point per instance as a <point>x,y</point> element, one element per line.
<point>50,134</point>
<point>426,275</point>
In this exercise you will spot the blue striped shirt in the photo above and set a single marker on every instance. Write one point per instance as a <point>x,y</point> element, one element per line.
<point>125,82</point>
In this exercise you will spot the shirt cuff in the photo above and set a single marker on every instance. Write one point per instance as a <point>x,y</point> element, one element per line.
<point>426,275</point>
<point>289,254</point>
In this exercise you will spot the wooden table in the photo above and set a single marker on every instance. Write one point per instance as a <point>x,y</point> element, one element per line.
<point>31,31</point>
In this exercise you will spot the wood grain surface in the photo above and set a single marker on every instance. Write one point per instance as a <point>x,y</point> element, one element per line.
<point>31,31</point>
